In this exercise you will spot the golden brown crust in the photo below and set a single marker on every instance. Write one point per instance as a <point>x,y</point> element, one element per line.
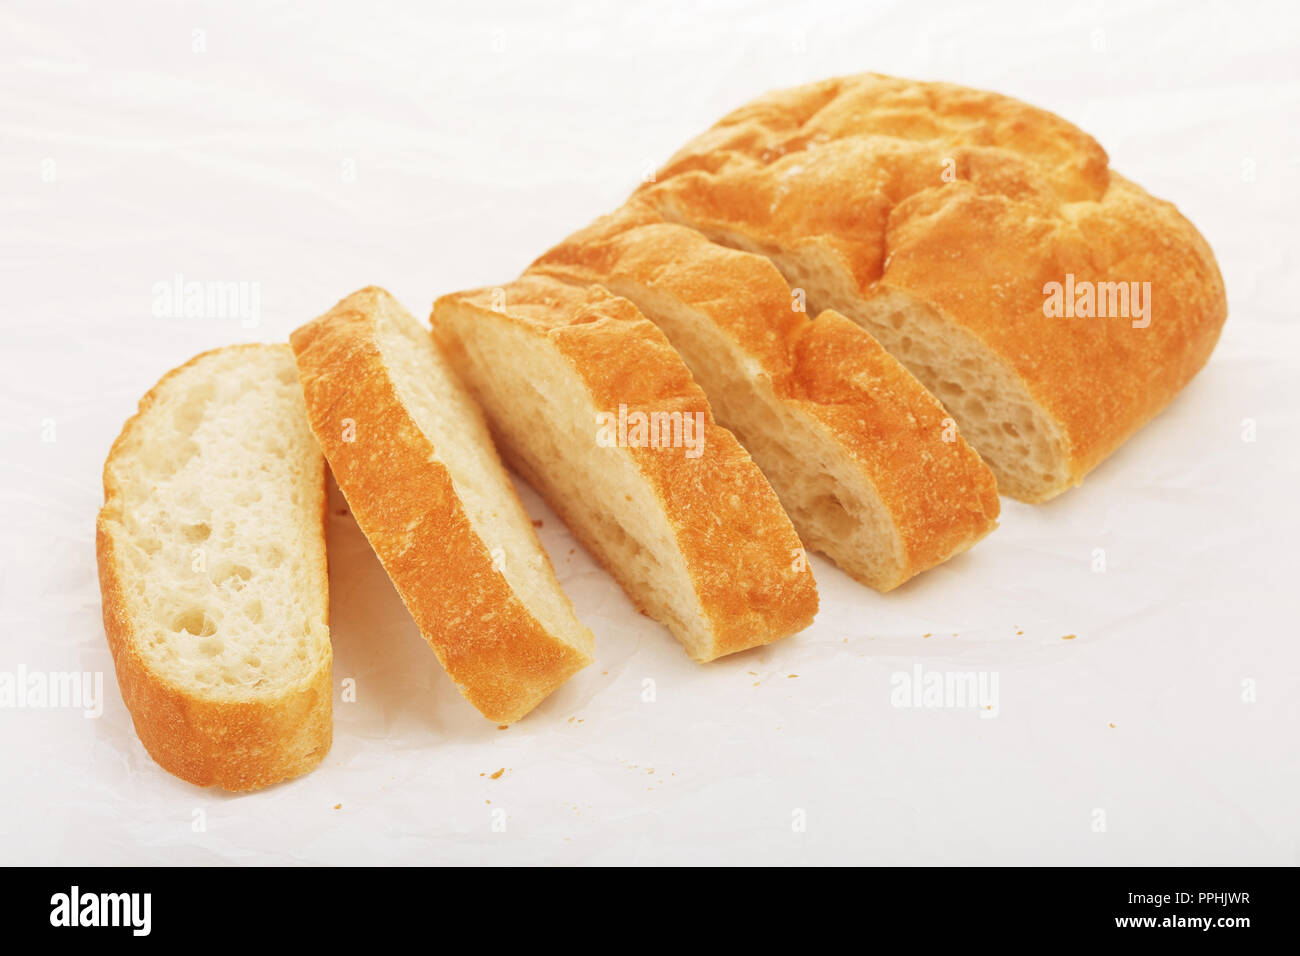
<point>235,745</point>
<point>502,658</point>
<point>970,202</point>
<point>741,552</point>
<point>940,496</point>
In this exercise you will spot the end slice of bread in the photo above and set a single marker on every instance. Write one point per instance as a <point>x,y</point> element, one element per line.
<point>1053,306</point>
<point>867,463</point>
<point>411,453</point>
<point>593,407</point>
<point>212,567</point>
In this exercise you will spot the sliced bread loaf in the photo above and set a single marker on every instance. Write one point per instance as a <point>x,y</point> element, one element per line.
<point>412,455</point>
<point>1050,304</point>
<point>590,403</point>
<point>211,548</point>
<point>866,462</point>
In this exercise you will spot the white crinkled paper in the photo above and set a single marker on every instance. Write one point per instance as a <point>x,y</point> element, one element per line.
<point>310,152</point>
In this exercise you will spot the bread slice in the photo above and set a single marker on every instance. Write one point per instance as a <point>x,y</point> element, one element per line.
<point>593,407</point>
<point>211,547</point>
<point>413,457</point>
<point>866,462</point>
<point>943,219</point>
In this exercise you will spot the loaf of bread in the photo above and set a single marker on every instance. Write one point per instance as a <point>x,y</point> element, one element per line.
<point>1050,304</point>
<point>867,463</point>
<point>412,455</point>
<point>590,404</point>
<point>211,547</point>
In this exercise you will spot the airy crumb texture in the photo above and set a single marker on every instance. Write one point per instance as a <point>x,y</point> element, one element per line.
<point>414,458</point>
<point>699,541</point>
<point>936,217</point>
<point>212,565</point>
<point>867,463</point>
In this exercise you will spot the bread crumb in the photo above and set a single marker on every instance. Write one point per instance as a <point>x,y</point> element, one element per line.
<point>1112,726</point>
<point>791,675</point>
<point>927,634</point>
<point>1068,637</point>
<point>339,806</point>
<point>497,775</point>
<point>503,726</point>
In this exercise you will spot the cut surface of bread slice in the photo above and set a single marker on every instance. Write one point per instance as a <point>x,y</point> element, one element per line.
<point>951,223</point>
<point>411,453</point>
<point>211,547</point>
<point>867,463</point>
<point>594,408</point>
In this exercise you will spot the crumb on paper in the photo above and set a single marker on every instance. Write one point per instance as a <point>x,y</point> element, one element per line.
<point>1112,726</point>
<point>497,775</point>
<point>1068,637</point>
<point>927,634</point>
<point>1020,632</point>
<point>339,806</point>
<point>791,675</point>
<point>503,726</point>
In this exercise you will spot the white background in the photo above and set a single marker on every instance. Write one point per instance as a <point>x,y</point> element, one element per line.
<point>482,133</point>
